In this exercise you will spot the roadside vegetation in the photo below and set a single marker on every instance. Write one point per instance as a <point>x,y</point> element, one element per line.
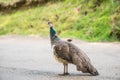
<point>91,20</point>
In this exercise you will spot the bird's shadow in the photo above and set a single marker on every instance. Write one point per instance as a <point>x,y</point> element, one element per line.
<point>53,74</point>
<point>74,74</point>
<point>21,71</point>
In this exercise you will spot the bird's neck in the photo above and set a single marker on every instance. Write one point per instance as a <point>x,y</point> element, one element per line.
<point>53,36</point>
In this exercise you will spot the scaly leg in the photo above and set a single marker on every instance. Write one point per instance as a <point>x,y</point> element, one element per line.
<point>65,69</point>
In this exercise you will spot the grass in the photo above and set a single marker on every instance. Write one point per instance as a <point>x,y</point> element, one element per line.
<point>7,0</point>
<point>68,17</point>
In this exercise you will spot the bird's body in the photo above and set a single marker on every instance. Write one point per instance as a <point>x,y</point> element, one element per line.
<point>59,48</point>
<point>66,52</point>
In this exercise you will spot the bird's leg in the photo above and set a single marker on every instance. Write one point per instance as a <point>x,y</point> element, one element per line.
<point>66,69</point>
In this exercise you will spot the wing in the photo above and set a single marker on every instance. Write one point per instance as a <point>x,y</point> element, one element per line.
<point>61,50</point>
<point>71,53</point>
<point>81,60</point>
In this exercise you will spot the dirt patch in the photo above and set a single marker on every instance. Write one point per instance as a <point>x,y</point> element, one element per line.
<point>20,4</point>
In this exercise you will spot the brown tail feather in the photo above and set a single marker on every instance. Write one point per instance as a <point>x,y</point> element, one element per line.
<point>88,69</point>
<point>92,70</point>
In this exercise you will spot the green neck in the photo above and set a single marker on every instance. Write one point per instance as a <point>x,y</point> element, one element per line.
<point>53,36</point>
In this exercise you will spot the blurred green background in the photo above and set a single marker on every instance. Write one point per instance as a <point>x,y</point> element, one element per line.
<point>90,20</point>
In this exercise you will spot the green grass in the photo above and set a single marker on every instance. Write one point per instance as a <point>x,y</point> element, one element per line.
<point>95,26</point>
<point>7,0</point>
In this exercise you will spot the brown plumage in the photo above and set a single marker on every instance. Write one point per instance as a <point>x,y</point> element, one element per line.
<point>66,52</point>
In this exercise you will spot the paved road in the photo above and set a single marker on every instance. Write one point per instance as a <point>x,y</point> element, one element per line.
<point>26,58</point>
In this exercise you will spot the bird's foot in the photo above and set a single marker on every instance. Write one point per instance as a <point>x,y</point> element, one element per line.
<point>64,74</point>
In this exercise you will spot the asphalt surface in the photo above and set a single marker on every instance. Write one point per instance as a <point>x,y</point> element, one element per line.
<point>27,58</point>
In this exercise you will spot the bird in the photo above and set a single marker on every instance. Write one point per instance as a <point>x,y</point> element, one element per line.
<point>66,53</point>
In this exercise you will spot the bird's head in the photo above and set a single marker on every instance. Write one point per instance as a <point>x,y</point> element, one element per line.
<point>50,24</point>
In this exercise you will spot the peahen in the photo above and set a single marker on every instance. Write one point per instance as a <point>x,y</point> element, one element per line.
<point>66,52</point>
